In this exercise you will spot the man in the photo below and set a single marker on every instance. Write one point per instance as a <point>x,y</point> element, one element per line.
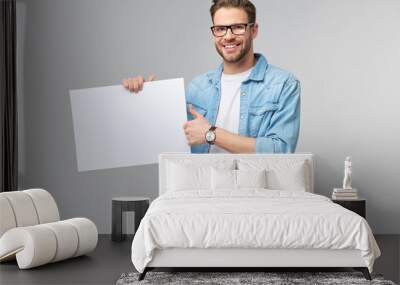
<point>245,105</point>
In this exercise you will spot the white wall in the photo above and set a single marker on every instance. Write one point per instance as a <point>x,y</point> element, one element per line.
<point>345,53</point>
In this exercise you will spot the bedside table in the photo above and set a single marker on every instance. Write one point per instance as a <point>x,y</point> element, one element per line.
<point>139,205</point>
<point>358,206</point>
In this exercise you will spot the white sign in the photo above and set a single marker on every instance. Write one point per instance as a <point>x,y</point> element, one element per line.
<point>115,128</point>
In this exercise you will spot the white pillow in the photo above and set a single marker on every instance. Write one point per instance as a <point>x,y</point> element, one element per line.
<point>223,179</point>
<point>193,174</point>
<point>251,178</point>
<point>282,174</point>
<point>187,177</point>
<point>291,178</point>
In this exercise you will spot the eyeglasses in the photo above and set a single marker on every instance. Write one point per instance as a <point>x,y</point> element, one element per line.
<point>236,29</point>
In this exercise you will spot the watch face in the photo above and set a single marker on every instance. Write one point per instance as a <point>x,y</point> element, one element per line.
<point>210,136</point>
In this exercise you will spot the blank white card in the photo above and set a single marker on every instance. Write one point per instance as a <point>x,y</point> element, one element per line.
<point>115,128</point>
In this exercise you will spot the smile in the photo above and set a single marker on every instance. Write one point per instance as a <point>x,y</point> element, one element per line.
<point>231,46</point>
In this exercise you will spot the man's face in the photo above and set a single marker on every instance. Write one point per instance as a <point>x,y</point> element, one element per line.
<point>233,48</point>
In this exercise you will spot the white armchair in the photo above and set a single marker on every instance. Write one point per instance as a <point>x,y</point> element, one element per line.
<point>31,230</point>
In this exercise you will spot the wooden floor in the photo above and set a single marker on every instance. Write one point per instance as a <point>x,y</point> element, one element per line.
<point>110,260</point>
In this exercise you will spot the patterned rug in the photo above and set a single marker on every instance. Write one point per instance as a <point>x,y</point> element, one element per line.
<point>244,278</point>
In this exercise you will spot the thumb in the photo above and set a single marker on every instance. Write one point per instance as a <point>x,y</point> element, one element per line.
<point>152,77</point>
<point>193,111</point>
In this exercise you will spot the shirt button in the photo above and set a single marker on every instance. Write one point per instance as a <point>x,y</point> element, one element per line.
<point>242,117</point>
<point>243,93</point>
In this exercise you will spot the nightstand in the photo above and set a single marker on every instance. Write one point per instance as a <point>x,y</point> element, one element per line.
<point>358,206</point>
<point>139,205</point>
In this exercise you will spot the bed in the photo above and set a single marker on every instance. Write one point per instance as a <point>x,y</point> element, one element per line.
<point>245,211</point>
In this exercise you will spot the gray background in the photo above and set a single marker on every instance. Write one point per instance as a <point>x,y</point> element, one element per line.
<point>345,53</point>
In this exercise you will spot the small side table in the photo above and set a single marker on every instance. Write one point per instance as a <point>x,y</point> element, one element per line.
<point>358,206</point>
<point>123,204</point>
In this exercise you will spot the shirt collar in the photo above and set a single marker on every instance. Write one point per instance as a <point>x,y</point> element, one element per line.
<point>257,74</point>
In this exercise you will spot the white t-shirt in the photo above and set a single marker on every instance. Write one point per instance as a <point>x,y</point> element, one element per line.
<point>229,105</point>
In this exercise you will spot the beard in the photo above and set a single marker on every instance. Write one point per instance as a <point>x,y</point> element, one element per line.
<point>246,46</point>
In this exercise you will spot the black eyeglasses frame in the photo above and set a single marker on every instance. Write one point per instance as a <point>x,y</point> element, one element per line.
<point>230,28</point>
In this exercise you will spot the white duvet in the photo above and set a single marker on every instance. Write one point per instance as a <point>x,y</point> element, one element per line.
<point>250,219</point>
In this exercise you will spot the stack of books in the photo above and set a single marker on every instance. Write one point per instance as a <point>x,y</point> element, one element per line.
<point>344,194</point>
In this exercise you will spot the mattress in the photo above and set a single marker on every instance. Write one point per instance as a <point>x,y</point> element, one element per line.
<point>251,219</point>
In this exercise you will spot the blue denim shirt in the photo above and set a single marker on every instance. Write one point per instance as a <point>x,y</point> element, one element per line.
<point>269,106</point>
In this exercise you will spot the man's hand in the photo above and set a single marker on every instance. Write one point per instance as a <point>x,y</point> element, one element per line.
<point>195,130</point>
<point>135,84</point>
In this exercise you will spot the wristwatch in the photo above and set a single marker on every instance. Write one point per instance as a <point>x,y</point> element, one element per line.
<point>210,135</point>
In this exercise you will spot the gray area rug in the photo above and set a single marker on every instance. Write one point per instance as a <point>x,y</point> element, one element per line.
<point>273,278</point>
